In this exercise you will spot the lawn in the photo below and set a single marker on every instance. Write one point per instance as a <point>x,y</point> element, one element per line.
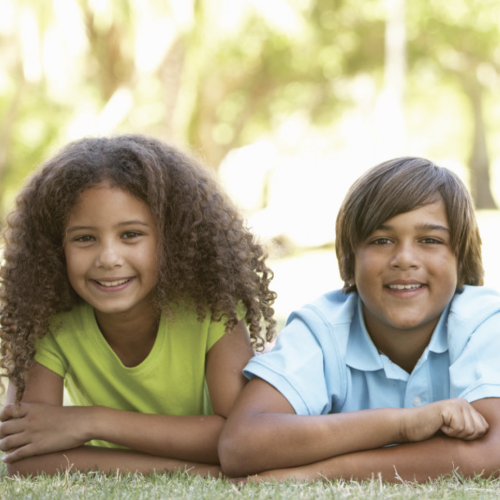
<point>97,486</point>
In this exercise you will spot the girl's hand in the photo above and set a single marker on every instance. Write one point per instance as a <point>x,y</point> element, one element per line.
<point>29,429</point>
<point>454,417</point>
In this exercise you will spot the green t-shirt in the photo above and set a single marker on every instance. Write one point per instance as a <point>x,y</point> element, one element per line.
<point>170,381</point>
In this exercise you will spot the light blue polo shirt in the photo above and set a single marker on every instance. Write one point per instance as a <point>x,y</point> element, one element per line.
<point>325,361</point>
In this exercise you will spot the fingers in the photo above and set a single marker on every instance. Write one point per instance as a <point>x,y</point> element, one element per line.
<point>18,454</point>
<point>13,438</point>
<point>478,426</point>
<point>11,411</point>
<point>462,421</point>
<point>11,427</point>
<point>11,443</point>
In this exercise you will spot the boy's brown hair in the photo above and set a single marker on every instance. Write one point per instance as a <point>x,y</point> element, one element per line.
<point>399,186</point>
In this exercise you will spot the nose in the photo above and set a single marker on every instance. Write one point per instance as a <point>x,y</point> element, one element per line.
<point>108,256</point>
<point>405,256</point>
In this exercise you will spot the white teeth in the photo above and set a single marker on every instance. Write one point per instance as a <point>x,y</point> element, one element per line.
<point>404,287</point>
<point>112,283</point>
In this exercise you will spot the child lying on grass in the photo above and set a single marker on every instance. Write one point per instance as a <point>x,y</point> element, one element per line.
<point>128,278</point>
<point>408,352</point>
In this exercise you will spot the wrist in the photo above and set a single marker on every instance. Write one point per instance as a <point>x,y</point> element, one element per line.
<point>89,423</point>
<point>404,424</point>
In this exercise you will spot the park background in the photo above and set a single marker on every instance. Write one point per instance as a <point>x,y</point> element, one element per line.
<point>287,101</point>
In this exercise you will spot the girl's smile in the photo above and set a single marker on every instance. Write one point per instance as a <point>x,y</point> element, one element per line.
<point>406,274</point>
<point>110,250</point>
<point>110,285</point>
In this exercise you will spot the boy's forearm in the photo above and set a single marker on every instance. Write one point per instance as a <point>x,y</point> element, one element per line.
<point>409,462</point>
<point>420,461</point>
<point>284,440</point>
<point>106,460</point>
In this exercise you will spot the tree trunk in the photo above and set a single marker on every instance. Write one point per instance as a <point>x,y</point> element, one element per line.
<point>171,74</point>
<point>479,163</point>
<point>390,109</point>
<point>6,132</point>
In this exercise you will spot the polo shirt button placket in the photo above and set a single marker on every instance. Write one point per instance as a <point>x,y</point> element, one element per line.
<point>416,401</point>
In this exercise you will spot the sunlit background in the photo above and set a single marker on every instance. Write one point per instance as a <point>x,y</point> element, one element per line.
<point>288,100</point>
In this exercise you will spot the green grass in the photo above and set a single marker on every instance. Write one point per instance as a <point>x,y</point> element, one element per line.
<point>98,486</point>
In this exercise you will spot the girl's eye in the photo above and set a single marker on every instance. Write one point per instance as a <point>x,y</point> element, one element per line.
<point>431,240</point>
<point>84,239</point>
<point>130,234</point>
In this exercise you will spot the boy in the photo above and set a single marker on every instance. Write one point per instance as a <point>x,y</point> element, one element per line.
<point>407,353</point>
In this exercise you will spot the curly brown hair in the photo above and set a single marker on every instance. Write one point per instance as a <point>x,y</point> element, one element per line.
<point>398,186</point>
<point>205,253</point>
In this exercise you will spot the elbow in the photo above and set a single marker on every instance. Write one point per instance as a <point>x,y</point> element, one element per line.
<point>235,453</point>
<point>484,461</point>
<point>479,457</point>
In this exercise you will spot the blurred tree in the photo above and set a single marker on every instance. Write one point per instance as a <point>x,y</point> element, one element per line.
<point>110,41</point>
<point>269,68</point>
<point>28,119</point>
<point>217,74</point>
<point>213,74</point>
<point>461,40</point>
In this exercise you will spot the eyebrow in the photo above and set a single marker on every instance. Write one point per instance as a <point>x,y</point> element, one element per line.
<point>72,229</point>
<point>421,227</point>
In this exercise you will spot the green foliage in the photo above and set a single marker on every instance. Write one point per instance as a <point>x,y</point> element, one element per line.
<point>216,75</point>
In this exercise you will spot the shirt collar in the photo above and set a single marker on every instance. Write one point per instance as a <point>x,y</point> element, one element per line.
<point>362,354</point>
<point>439,339</point>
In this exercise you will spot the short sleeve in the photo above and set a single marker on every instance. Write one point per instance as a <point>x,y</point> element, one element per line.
<point>476,373</point>
<point>217,329</point>
<point>295,367</point>
<point>49,355</point>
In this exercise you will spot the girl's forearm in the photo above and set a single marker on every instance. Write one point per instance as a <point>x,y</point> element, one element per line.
<point>106,460</point>
<point>191,438</point>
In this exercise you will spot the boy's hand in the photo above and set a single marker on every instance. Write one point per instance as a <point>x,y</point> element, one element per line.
<point>454,417</point>
<point>35,429</point>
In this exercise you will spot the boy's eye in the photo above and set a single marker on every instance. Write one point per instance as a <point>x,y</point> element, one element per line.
<point>430,240</point>
<point>381,241</point>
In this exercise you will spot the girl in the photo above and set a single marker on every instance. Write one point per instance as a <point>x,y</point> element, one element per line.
<point>129,278</point>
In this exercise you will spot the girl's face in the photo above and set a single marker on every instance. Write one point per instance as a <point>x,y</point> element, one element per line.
<point>406,273</point>
<point>110,249</point>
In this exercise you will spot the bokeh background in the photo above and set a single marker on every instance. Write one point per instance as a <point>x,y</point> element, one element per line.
<point>288,101</point>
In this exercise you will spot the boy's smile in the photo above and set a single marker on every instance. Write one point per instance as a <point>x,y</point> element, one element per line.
<point>110,250</point>
<point>406,274</point>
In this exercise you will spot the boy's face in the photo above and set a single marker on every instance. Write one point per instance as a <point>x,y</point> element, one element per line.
<point>406,274</point>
